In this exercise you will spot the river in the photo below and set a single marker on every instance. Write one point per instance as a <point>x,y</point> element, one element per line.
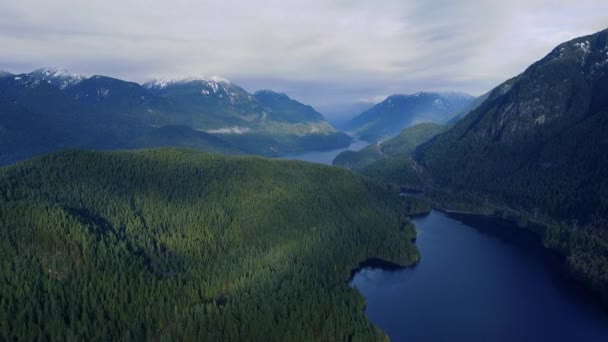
<point>472,285</point>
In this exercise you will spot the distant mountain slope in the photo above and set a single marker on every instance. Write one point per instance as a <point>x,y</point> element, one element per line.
<point>469,108</point>
<point>39,96</point>
<point>24,134</point>
<point>182,136</point>
<point>174,244</point>
<point>397,112</point>
<point>37,117</point>
<point>110,95</point>
<point>410,138</point>
<point>282,108</point>
<point>127,104</point>
<point>401,146</point>
<point>51,109</point>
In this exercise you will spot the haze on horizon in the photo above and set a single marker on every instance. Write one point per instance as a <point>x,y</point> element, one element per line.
<point>334,55</point>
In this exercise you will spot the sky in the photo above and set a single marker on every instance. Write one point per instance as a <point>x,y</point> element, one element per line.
<point>340,56</point>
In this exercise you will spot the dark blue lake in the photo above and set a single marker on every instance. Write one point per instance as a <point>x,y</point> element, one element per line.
<point>471,285</point>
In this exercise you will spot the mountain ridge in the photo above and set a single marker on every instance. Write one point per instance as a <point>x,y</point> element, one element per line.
<point>550,99</point>
<point>101,112</point>
<point>399,111</point>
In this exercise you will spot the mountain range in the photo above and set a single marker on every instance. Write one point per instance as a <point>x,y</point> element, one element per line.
<point>175,244</point>
<point>397,112</point>
<point>51,109</point>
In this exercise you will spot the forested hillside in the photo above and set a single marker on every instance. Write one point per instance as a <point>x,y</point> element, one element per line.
<point>180,244</point>
<point>400,146</point>
<point>538,141</point>
<point>390,162</point>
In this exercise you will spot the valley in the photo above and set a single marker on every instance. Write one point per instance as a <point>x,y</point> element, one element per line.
<point>143,201</point>
<point>541,169</point>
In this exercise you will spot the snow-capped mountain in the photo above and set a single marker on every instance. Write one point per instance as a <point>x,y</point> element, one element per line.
<point>210,104</point>
<point>57,76</point>
<point>5,73</point>
<point>211,88</point>
<point>162,83</point>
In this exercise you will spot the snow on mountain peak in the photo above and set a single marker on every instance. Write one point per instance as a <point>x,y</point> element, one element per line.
<point>583,46</point>
<point>216,79</point>
<point>57,76</point>
<point>162,83</point>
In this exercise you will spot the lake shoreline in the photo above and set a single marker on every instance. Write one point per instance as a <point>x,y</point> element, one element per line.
<point>510,227</point>
<point>509,276</point>
<point>377,263</point>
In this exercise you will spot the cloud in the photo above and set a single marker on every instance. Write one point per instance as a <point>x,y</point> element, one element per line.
<point>318,51</point>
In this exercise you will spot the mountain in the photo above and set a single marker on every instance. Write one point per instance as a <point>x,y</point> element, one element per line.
<point>538,145</point>
<point>267,124</point>
<point>217,105</point>
<point>172,244</point>
<point>5,73</point>
<point>52,109</point>
<point>36,95</point>
<point>397,112</point>
<point>24,134</point>
<point>56,76</point>
<point>544,127</point>
<point>210,104</point>
<point>38,117</point>
<point>127,106</point>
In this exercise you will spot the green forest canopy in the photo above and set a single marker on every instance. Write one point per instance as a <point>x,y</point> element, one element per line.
<point>173,243</point>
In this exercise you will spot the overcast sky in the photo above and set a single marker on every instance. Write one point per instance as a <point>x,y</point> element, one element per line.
<point>326,53</point>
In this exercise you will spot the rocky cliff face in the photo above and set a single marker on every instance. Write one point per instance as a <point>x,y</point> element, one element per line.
<point>567,85</point>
